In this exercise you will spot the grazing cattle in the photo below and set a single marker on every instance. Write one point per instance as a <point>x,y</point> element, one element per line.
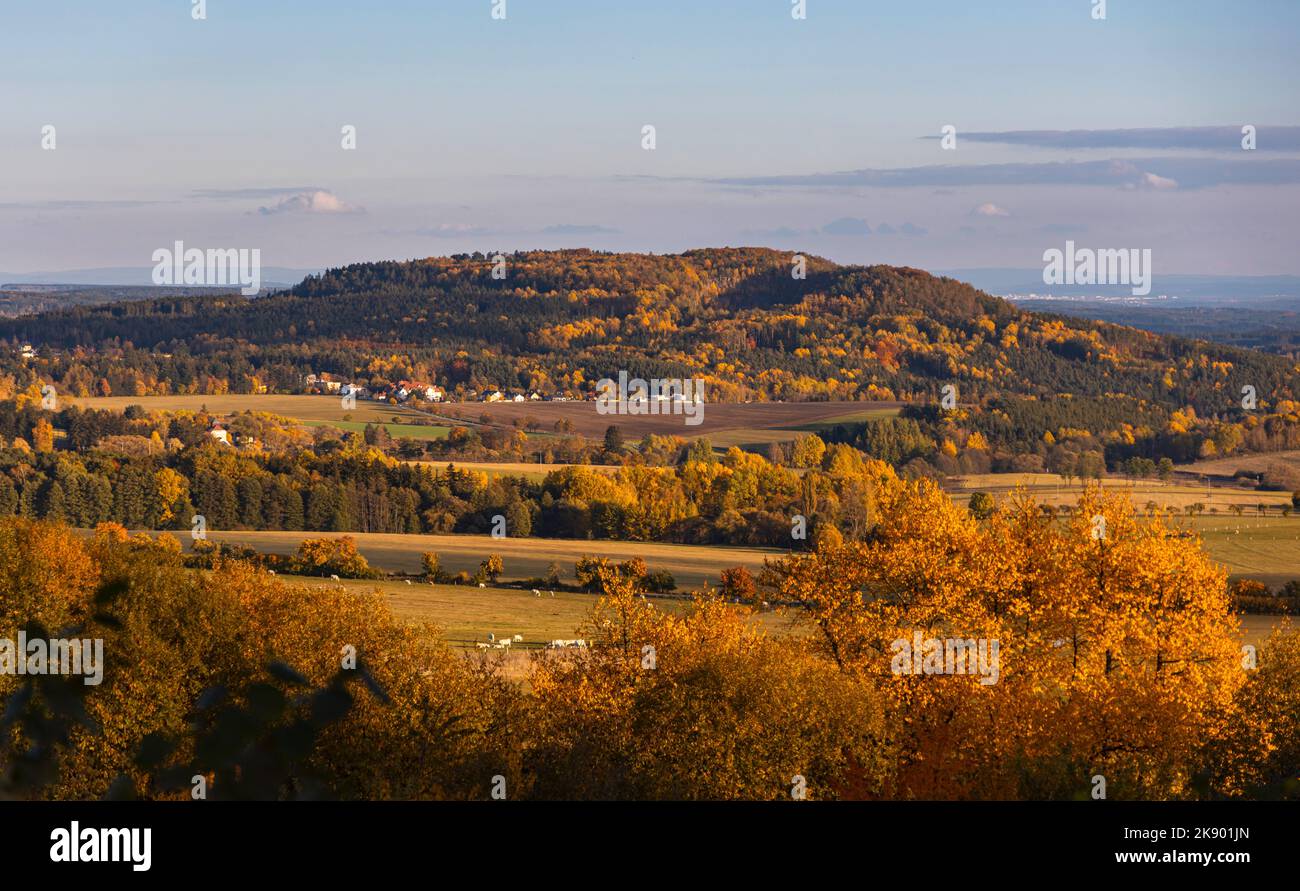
<point>334,578</point>
<point>566,644</point>
<point>482,585</point>
<point>518,638</point>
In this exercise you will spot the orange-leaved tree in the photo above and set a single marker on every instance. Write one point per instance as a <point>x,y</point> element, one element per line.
<point>1112,651</point>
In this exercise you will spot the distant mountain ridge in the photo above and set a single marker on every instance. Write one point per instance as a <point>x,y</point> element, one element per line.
<point>740,318</point>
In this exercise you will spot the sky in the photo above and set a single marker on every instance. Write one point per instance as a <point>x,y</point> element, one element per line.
<point>817,134</point>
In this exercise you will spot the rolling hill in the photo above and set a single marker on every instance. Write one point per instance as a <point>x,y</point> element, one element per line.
<point>737,318</point>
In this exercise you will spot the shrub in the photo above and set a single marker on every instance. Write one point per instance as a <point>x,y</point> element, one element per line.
<point>332,556</point>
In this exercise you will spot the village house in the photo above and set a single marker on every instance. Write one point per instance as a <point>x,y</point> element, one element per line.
<point>413,390</point>
<point>324,383</point>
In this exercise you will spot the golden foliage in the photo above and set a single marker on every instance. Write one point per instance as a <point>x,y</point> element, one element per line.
<point>1117,650</point>
<point>701,706</point>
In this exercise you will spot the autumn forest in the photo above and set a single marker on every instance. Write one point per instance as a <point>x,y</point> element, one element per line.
<point>1108,638</point>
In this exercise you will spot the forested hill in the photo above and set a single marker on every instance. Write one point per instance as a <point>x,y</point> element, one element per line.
<point>559,320</point>
<point>423,300</point>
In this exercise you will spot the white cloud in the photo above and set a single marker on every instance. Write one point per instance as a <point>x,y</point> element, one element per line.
<point>1160,183</point>
<point>988,209</point>
<point>318,201</point>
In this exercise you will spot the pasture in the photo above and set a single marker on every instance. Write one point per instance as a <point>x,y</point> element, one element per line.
<point>396,431</point>
<point>1253,463</point>
<point>1266,549</point>
<point>1262,547</point>
<point>465,614</point>
<point>691,565</point>
<point>1048,488</point>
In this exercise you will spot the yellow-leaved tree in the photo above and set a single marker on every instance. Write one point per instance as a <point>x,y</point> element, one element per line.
<point>1113,651</point>
<point>696,706</point>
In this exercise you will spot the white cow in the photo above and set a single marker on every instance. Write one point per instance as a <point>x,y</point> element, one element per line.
<point>334,578</point>
<point>566,644</point>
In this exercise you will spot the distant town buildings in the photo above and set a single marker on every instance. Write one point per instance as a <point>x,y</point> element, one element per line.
<point>404,391</point>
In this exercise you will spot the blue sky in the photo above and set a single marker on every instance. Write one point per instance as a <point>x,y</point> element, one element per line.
<point>474,133</point>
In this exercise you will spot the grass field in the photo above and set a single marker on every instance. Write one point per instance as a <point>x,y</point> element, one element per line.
<point>691,565</point>
<point>1256,629</point>
<point>1048,488</point>
<point>1267,549</point>
<point>397,431</point>
<point>466,615</point>
<point>1253,463</point>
